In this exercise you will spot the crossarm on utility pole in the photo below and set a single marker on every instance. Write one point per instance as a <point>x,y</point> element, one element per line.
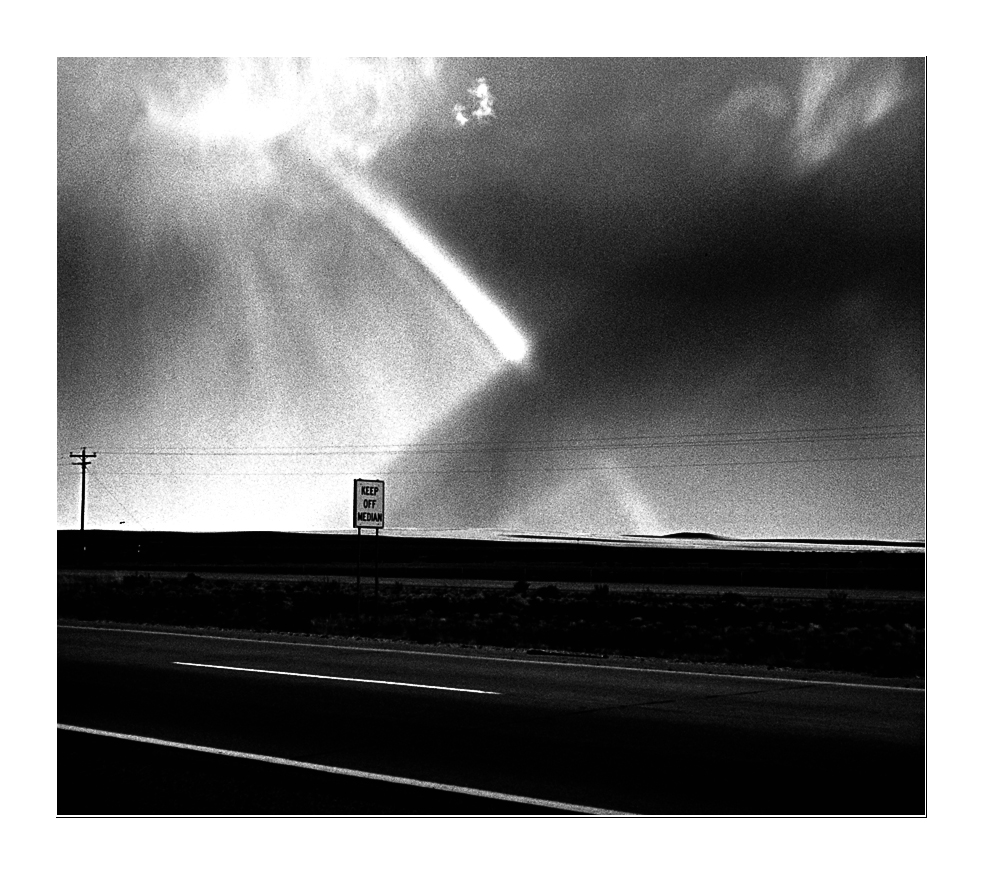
<point>86,460</point>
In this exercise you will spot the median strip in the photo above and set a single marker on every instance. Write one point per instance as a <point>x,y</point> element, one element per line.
<point>325,677</point>
<point>353,773</point>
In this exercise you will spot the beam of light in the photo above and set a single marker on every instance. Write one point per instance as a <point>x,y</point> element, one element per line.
<point>635,501</point>
<point>486,315</point>
<point>261,99</point>
<point>603,497</point>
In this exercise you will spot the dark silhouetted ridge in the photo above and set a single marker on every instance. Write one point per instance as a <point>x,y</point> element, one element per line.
<point>696,536</point>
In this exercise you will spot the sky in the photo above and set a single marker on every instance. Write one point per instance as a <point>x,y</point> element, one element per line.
<point>612,296</point>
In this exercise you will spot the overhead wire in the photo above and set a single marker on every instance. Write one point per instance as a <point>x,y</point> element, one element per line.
<point>116,498</point>
<point>356,473</point>
<point>712,439</point>
<point>680,441</point>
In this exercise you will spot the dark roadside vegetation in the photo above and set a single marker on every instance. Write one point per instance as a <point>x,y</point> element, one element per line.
<point>819,610</point>
<point>840,632</point>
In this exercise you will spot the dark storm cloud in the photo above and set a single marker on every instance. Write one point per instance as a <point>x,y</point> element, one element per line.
<point>691,244</point>
<point>606,166</point>
<point>615,184</point>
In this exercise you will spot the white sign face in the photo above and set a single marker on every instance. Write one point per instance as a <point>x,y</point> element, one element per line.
<point>368,510</point>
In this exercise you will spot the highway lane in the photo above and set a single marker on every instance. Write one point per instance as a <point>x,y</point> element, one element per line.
<point>594,735</point>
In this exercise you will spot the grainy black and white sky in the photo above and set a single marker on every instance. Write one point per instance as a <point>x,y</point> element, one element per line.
<point>610,296</point>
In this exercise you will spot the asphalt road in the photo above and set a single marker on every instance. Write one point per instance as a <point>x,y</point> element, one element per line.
<point>534,736</point>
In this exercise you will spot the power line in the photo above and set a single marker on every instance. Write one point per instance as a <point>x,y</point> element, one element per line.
<point>115,498</point>
<point>665,436</point>
<point>456,471</point>
<point>516,447</point>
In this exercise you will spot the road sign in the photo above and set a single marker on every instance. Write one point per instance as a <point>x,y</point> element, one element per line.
<point>368,509</point>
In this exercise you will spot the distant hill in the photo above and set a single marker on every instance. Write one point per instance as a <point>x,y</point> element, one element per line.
<point>706,536</point>
<point>696,536</point>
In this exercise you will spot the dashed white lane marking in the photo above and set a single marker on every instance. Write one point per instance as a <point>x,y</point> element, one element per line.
<point>706,674</point>
<point>354,773</point>
<point>325,677</point>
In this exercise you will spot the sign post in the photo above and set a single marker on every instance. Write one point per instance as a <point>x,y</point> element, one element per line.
<point>368,512</point>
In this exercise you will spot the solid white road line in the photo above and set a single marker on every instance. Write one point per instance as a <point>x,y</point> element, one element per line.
<point>325,677</point>
<point>354,773</point>
<point>706,674</point>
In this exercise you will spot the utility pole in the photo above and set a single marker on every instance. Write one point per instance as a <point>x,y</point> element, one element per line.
<point>84,464</point>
